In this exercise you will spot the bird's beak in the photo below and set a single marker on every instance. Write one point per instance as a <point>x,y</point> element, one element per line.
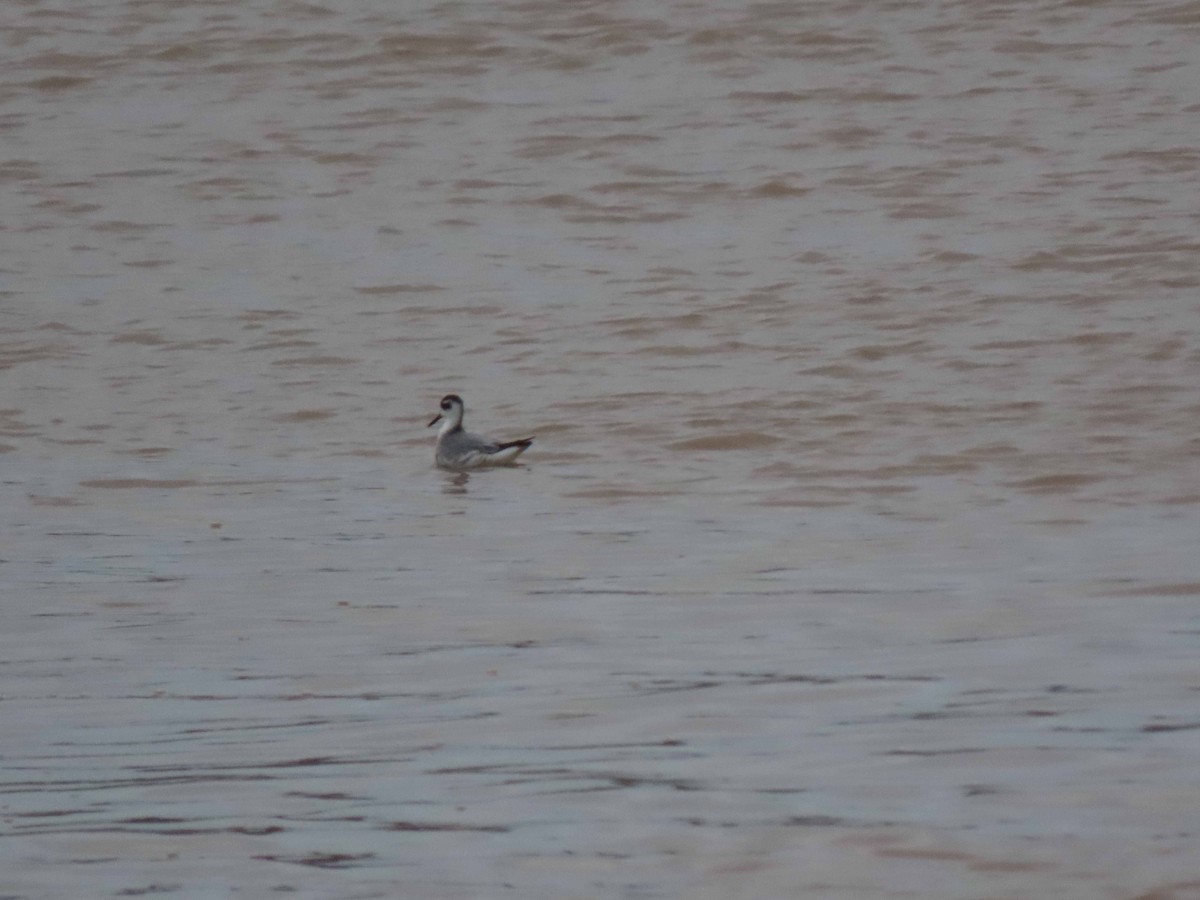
<point>434,420</point>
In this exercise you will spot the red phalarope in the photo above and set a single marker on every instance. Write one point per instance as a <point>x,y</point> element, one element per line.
<point>459,449</point>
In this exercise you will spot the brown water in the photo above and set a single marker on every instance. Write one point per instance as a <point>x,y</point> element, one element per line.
<point>857,553</point>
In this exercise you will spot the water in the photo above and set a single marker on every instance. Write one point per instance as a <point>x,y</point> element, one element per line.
<point>856,553</point>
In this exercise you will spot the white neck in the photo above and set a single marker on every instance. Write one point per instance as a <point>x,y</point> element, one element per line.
<point>451,420</point>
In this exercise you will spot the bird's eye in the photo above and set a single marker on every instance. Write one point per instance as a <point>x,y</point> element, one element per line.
<point>445,404</point>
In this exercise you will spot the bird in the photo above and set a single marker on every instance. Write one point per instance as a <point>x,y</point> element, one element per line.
<point>460,449</point>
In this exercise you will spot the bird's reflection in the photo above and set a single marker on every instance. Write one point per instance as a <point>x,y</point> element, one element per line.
<point>455,483</point>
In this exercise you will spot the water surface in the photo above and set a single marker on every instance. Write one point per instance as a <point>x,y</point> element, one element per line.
<point>856,555</point>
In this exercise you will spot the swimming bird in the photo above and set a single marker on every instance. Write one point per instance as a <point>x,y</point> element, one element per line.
<point>459,449</point>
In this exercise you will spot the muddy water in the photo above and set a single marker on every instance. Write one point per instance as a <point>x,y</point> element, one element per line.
<point>856,555</point>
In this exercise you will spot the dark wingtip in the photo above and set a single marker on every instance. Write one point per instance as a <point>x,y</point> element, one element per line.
<point>523,443</point>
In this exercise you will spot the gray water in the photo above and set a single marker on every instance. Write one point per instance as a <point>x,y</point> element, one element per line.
<point>856,554</point>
